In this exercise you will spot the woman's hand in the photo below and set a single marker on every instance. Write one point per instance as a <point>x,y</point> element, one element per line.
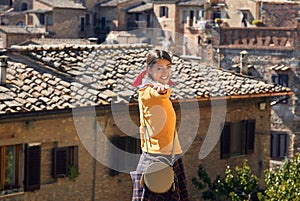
<point>160,89</point>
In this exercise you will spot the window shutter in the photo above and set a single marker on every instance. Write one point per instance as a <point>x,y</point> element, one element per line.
<point>60,162</point>
<point>32,167</point>
<point>282,145</point>
<point>274,145</point>
<point>161,10</point>
<point>167,12</point>
<point>275,79</point>
<point>250,136</point>
<point>225,142</point>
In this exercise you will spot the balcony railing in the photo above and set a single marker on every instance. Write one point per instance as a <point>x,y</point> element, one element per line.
<point>258,37</point>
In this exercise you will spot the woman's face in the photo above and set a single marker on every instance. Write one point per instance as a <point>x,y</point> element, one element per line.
<point>161,71</point>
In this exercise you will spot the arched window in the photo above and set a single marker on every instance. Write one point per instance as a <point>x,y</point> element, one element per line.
<point>20,23</point>
<point>24,6</point>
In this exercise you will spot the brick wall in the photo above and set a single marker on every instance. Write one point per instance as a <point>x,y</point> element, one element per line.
<point>63,18</point>
<point>275,14</point>
<point>60,129</point>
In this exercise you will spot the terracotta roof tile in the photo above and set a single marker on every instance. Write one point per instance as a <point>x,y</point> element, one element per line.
<point>63,4</point>
<point>104,75</point>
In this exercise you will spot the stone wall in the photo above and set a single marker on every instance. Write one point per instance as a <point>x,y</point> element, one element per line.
<point>63,18</point>
<point>234,10</point>
<point>285,117</point>
<point>18,4</point>
<point>275,14</point>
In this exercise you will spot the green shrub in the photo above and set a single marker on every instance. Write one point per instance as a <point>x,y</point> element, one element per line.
<point>284,183</point>
<point>239,186</point>
<point>257,22</point>
<point>73,172</point>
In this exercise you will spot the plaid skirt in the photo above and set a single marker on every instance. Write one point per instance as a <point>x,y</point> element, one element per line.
<point>142,193</point>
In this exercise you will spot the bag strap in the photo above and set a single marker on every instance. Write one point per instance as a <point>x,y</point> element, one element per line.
<point>148,137</point>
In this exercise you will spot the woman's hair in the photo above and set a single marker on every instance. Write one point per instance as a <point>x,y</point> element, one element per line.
<point>155,55</point>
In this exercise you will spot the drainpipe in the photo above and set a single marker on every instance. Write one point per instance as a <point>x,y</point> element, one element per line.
<point>94,161</point>
<point>3,69</point>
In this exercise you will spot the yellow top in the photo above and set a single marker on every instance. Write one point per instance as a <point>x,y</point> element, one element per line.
<point>160,120</point>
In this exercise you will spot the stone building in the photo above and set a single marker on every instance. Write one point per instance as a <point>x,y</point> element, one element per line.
<point>66,108</point>
<point>116,16</point>
<point>279,67</point>
<point>49,19</point>
<point>272,55</point>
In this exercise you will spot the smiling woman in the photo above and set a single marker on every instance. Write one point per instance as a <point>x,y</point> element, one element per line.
<point>160,71</point>
<point>159,138</point>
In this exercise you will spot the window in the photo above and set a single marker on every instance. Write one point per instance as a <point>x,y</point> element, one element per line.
<point>10,161</point>
<point>24,6</point>
<point>278,145</point>
<point>30,20</point>
<point>123,161</point>
<point>283,80</point>
<point>95,19</point>
<point>163,11</point>
<point>49,19</point>
<point>21,24</point>
<point>217,14</point>
<point>32,167</point>
<point>42,19</point>
<point>185,15</point>
<point>199,15</point>
<point>63,159</point>
<point>87,19</point>
<point>237,138</point>
<point>81,23</point>
<point>103,24</point>
<point>191,18</point>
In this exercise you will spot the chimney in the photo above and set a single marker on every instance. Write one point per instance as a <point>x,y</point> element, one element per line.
<point>243,62</point>
<point>3,68</point>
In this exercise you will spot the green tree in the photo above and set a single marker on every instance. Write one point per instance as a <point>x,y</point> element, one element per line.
<point>284,183</point>
<point>242,185</point>
<point>210,190</point>
<point>237,186</point>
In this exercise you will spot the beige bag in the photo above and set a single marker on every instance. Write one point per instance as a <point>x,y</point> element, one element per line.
<point>159,176</point>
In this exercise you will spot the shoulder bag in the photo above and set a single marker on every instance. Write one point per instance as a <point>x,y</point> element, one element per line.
<point>159,176</point>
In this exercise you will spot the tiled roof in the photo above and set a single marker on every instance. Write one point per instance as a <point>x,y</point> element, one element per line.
<point>193,3</point>
<point>22,30</point>
<point>51,41</point>
<point>278,67</point>
<point>38,11</point>
<point>141,8</point>
<point>111,3</point>
<point>62,4</point>
<point>61,77</point>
